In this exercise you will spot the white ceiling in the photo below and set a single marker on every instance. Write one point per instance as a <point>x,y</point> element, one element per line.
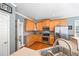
<point>45,10</point>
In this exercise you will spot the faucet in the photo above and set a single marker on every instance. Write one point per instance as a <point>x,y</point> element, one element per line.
<point>65,42</point>
<point>50,52</point>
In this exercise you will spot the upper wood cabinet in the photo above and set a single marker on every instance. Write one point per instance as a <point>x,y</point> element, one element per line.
<point>43,23</point>
<point>56,22</point>
<point>46,23</point>
<point>29,25</point>
<point>63,22</point>
<point>40,26</point>
<point>52,25</point>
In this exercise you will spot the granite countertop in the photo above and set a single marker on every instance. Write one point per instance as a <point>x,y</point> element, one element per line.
<point>26,52</point>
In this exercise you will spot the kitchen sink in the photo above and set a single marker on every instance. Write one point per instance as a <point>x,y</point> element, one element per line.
<point>58,51</point>
<point>55,51</point>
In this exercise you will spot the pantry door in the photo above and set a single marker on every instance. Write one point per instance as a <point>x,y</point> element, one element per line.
<point>4,34</point>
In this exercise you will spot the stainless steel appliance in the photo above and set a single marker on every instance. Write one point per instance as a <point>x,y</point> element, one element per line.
<point>61,32</point>
<point>45,35</point>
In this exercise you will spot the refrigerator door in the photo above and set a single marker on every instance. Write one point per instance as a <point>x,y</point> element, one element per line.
<point>61,31</point>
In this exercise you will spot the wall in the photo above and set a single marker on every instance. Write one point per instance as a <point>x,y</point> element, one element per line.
<point>13,29</point>
<point>19,17</point>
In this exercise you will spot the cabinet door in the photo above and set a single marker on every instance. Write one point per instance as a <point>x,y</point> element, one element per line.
<point>29,25</point>
<point>63,22</point>
<point>33,38</point>
<point>51,40</point>
<point>30,40</point>
<point>46,23</point>
<point>38,38</point>
<point>40,26</point>
<point>52,25</point>
<point>57,22</point>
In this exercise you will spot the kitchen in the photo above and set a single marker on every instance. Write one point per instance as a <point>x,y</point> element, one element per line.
<point>38,41</point>
<point>37,34</point>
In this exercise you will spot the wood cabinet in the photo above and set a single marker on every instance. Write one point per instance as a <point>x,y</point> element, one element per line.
<point>63,22</point>
<point>40,26</point>
<point>46,23</point>
<point>51,39</point>
<point>29,25</point>
<point>56,22</point>
<point>37,38</point>
<point>43,23</point>
<point>33,38</point>
<point>52,24</point>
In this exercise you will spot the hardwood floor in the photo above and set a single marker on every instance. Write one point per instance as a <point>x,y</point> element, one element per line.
<point>39,45</point>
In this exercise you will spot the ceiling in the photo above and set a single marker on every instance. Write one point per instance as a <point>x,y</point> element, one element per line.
<point>48,10</point>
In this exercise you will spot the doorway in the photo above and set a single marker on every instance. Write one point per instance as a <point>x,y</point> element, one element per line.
<point>20,38</point>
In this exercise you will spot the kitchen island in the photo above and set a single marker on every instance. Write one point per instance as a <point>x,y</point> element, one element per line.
<point>26,52</point>
<point>29,52</point>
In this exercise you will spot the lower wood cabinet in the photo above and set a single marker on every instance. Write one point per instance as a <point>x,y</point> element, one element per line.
<point>33,38</point>
<point>51,39</point>
<point>37,38</point>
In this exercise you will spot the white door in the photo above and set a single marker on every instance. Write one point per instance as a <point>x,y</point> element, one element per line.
<point>4,34</point>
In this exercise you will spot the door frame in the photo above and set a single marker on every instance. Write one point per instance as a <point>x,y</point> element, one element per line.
<point>19,33</point>
<point>8,15</point>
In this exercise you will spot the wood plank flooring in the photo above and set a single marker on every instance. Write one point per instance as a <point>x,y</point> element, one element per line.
<point>39,45</point>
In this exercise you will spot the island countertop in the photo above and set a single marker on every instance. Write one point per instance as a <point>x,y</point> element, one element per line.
<point>26,52</point>
<point>30,52</point>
